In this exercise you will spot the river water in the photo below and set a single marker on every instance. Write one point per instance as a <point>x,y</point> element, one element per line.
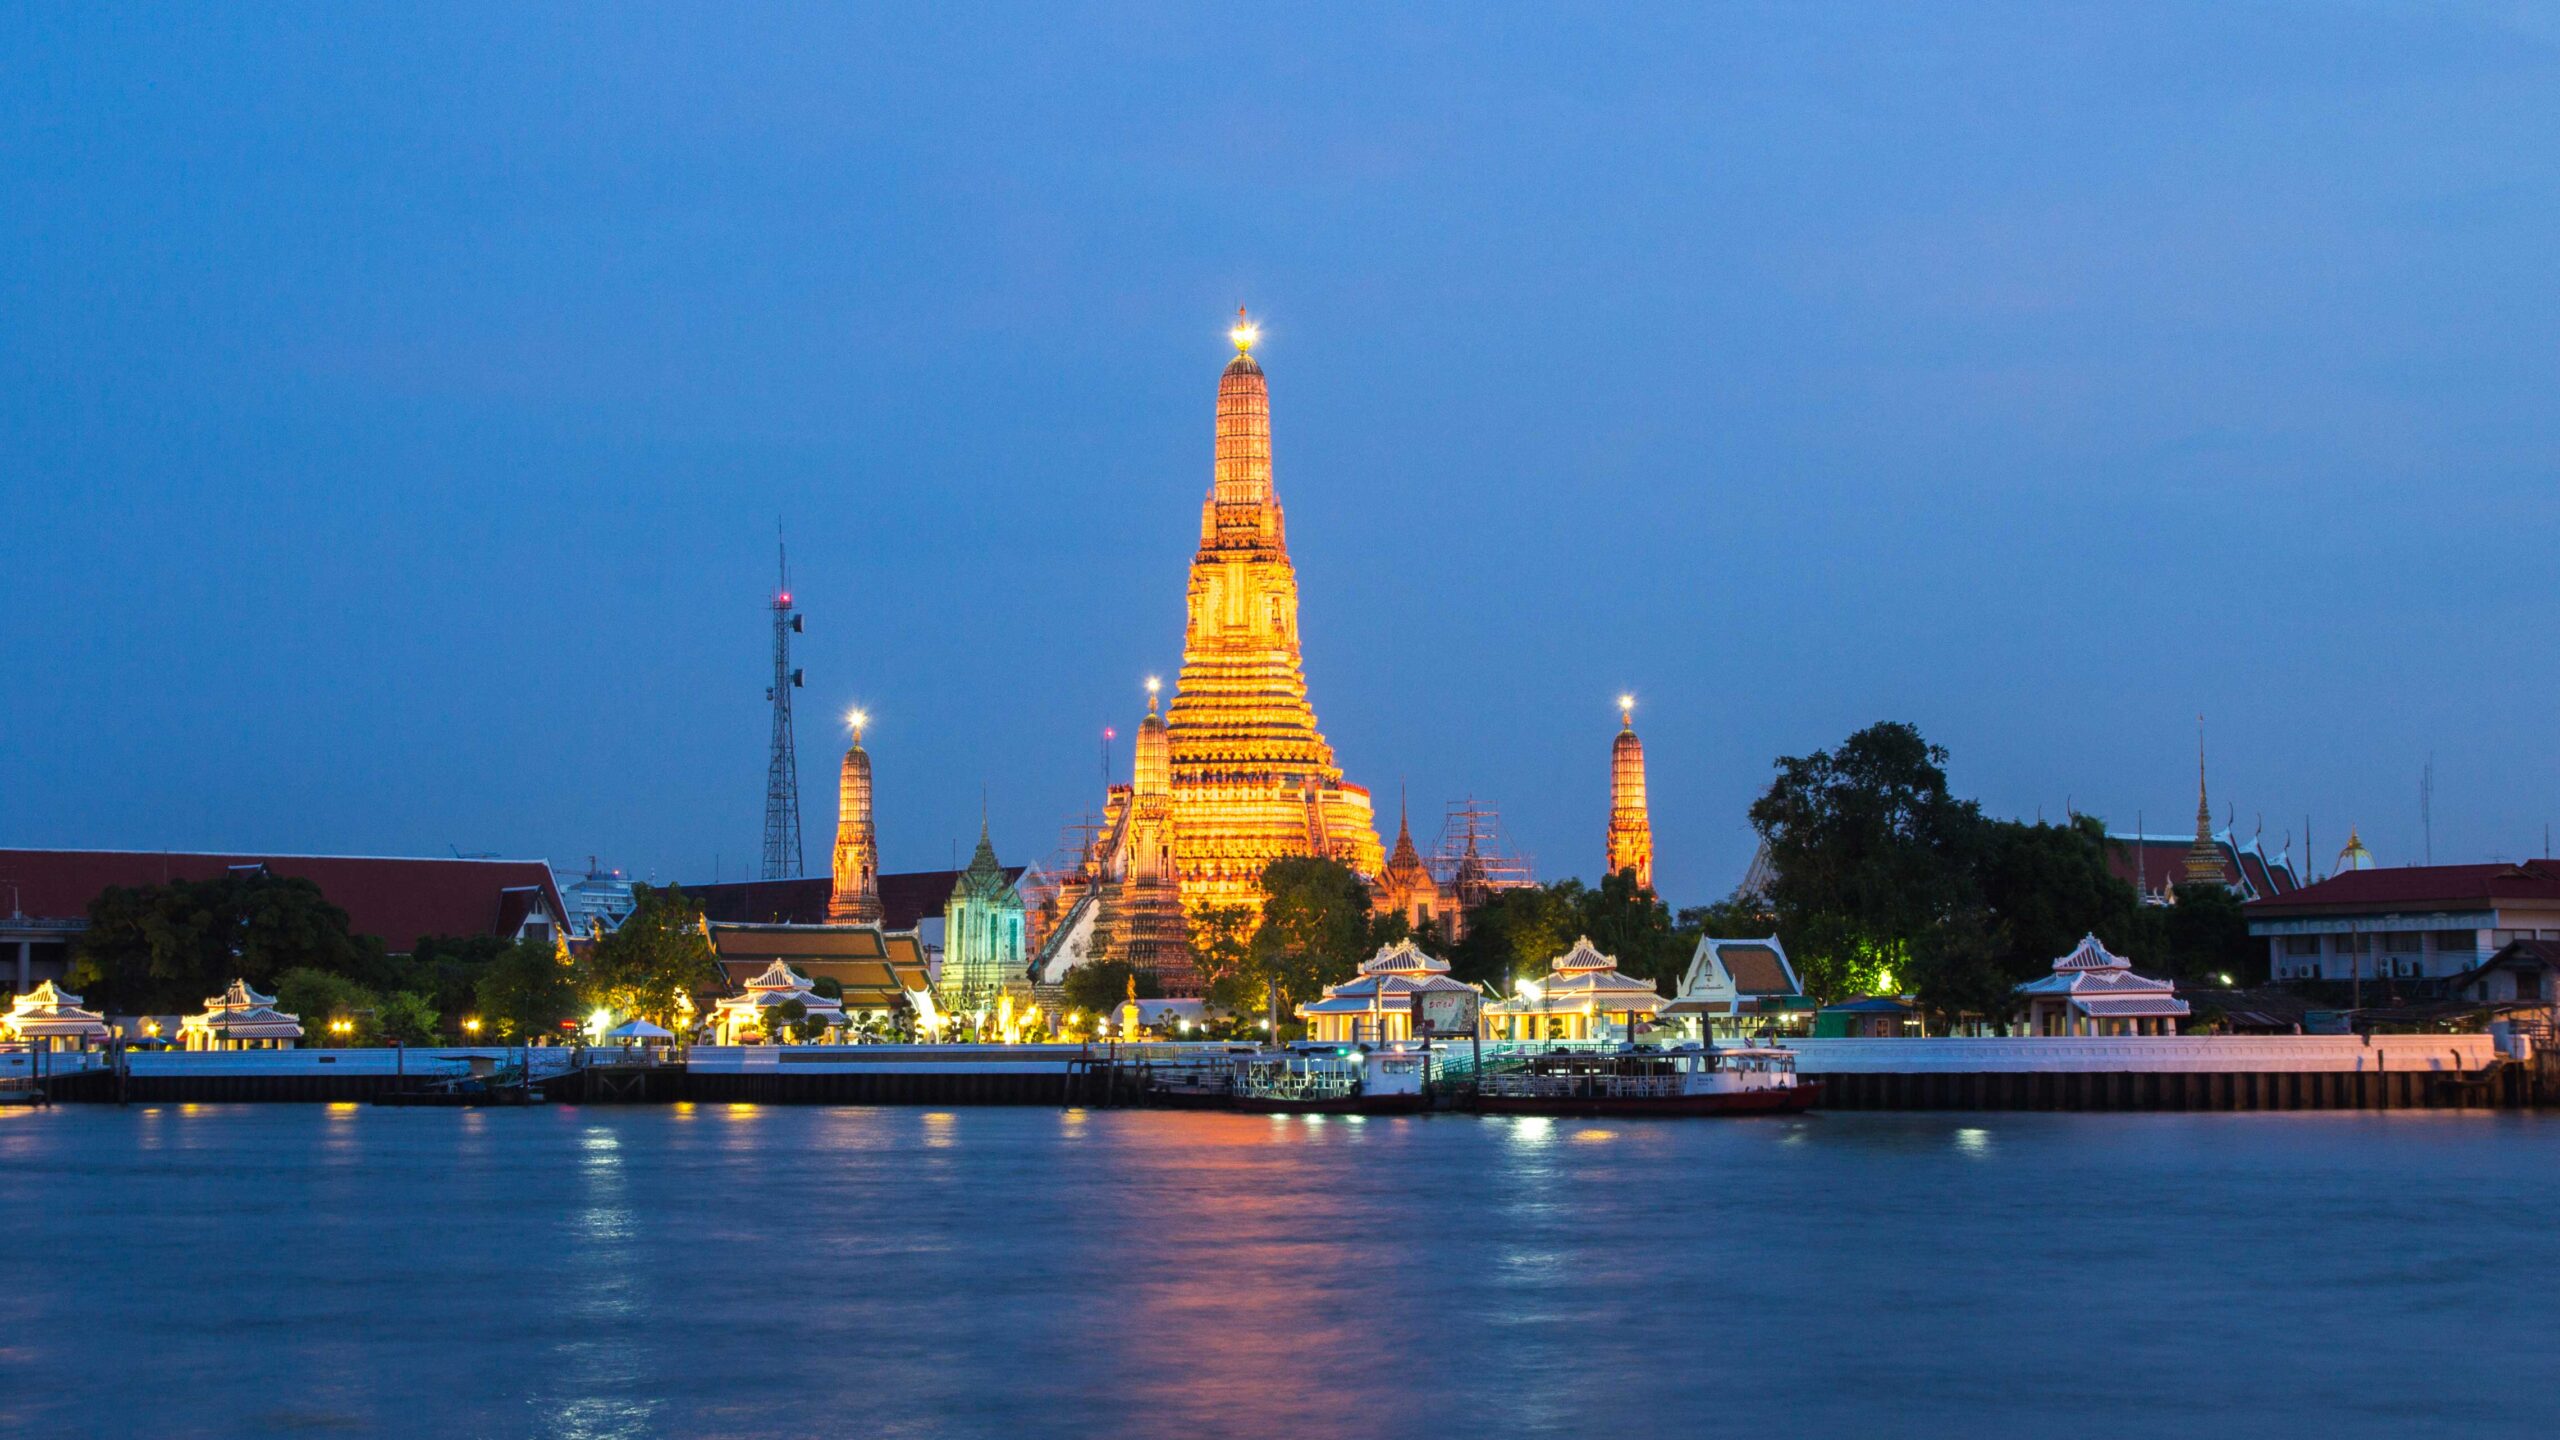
<point>753,1271</point>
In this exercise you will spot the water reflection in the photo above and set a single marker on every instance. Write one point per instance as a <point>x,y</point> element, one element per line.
<point>1025,1272</point>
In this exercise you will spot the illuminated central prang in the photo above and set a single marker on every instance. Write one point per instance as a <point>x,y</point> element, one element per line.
<point>1253,779</point>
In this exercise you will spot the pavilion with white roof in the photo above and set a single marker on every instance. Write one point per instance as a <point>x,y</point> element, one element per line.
<point>1377,1004</point>
<point>240,1019</point>
<point>51,1018</point>
<point>2093,991</point>
<point>1584,993</point>
<point>740,1018</point>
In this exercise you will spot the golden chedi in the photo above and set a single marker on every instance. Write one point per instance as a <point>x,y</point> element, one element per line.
<point>1253,779</point>
<point>1630,822</point>
<point>855,897</point>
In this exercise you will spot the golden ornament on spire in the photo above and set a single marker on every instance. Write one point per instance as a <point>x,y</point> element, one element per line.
<point>1244,333</point>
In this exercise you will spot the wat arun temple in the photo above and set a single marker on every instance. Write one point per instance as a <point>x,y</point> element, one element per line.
<point>1233,773</point>
<point>1253,779</point>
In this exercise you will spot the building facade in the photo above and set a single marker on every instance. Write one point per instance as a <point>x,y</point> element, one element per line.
<point>982,932</point>
<point>2416,922</point>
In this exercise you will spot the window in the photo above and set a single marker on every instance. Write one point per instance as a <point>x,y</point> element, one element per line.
<point>2400,942</point>
<point>2457,942</point>
<point>2302,944</point>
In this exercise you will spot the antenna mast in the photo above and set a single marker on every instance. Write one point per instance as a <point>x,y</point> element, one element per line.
<point>783,859</point>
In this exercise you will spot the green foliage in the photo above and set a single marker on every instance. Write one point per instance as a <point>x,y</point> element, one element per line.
<point>1315,931</point>
<point>1869,850</point>
<point>323,1000</point>
<point>1625,919</point>
<point>659,954</point>
<point>446,969</point>
<point>1516,932</point>
<point>524,992</point>
<point>408,1017</point>
<point>2204,937</point>
<point>1097,986</point>
<point>1887,883</point>
<point>780,1020</point>
<point>164,948</point>
<point>1222,946</point>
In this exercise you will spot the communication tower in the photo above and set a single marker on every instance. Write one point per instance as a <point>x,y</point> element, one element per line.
<point>783,858</point>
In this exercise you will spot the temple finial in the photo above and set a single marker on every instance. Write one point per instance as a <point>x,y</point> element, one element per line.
<point>1244,333</point>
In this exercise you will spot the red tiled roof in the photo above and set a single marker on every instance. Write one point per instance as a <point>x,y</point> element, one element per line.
<point>2159,864</point>
<point>397,899</point>
<point>2424,886</point>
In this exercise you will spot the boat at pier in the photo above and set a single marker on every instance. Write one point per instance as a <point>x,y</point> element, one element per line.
<point>1330,1081</point>
<point>1630,1080</point>
<point>488,1083</point>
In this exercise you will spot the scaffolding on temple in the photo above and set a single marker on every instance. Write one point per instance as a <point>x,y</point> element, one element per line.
<point>1471,850</point>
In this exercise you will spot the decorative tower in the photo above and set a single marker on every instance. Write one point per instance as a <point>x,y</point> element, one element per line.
<point>2204,858</point>
<point>1406,886</point>
<point>1630,823</point>
<point>855,899</point>
<point>1148,929</point>
<point>1252,778</point>
<point>982,932</point>
<point>783,857</point>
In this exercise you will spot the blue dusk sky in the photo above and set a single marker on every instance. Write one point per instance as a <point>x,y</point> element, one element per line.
<point>397,404</point>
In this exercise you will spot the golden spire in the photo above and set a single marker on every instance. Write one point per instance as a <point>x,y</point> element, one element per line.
<point>1244,333</point>
<point>1630,818</point>
<point>1252,777</point>
<point>2204,858</point>
<point>854,898</point>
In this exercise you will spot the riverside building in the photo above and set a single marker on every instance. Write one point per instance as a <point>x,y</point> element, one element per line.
<point>1377,1004</point>
<point>1583,997</point>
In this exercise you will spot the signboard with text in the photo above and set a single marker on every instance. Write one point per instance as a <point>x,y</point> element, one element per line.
<point>1444,1012</point>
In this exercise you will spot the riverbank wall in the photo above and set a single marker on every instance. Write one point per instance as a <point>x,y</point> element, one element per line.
<point>2291,1072</point>
<point>2203,1072</point>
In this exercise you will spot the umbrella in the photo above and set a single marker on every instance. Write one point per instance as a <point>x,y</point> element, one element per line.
<point>638,1030</point>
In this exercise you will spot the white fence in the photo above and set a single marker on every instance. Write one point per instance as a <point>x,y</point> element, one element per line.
<point>2135,1054</point>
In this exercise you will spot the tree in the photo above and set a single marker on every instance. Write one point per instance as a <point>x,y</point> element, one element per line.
<point>2032,892</point>
<point>408,1017</point>
<point>163,948</point>
<point>658,956</point>
<point>1099,986</point>
<point>1315,931</point>
<point>779,1020</point>
<point>2205,936</point>
<point>1624,919</point>
<point>1514,935</point>
<point>1222,944</point>
<point>334,1009</point>
<point>1869,852</point>
<point>525,991</point>
<point>446,969</point>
